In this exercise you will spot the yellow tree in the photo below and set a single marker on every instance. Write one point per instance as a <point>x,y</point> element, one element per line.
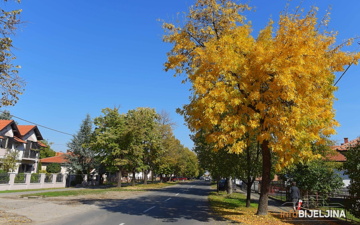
<point>279,83</point>
<point>11,85</point>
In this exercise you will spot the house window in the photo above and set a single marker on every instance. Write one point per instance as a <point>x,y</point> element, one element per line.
<point>4,142</point>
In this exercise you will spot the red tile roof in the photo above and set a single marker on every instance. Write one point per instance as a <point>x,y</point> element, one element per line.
<point>41,144</point>
<point>58,153</point>
<point>19,140</point>
<point>24,129</point>
<point>4,123</point>
<point>338,157</point>
<point>339,149</point>
<point>345,146</point>
<point>55,159</point>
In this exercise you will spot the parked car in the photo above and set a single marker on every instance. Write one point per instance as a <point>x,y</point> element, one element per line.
<point>207,179</point>
<point>222,184</point>
<point>174,179</point>
<point>166,178</point>
<point>182,178</point>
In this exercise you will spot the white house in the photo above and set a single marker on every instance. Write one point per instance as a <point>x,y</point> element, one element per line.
<point>22,138</point>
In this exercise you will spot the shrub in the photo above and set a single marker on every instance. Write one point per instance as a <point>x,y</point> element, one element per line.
<point>42,171</point>
<point>34,178</point>
<point>20,178</point>
<point>4,177</point>
<point>53,168</point>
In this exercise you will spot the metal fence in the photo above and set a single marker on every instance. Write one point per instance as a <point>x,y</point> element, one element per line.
<point>59,177</point>
<point>48,178</point>
<point>20,178</point>
<point>339,200</point>
<point>4,178</point>
<point>35,178</point>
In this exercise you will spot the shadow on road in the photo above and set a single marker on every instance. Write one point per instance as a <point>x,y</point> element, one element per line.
<point>189,204</point>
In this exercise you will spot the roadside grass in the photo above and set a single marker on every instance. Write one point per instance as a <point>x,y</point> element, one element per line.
<point>233,207</point>
<point>11,191</point>
<point>140,187</point>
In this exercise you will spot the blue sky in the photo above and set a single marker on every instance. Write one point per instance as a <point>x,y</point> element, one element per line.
<point>78,57</point>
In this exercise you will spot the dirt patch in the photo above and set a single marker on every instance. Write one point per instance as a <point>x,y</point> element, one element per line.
<point>13,218</point>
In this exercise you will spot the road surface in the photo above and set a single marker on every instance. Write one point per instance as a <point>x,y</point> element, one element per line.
<point>184,203</point>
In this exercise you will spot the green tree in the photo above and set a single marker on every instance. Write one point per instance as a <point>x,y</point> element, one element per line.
<point>5,115</point>
<point>81,157</point>
<point>192,164</point>
<point>143,140</point>
<point>110,141</point>
<point>314,176</point>
<point>352,169</point>
<point>53,168</point>
<point>167,153</point>
<point>10,160</point>
<point>249,165</point>
<point>46,151</point>
<point>219,163</point>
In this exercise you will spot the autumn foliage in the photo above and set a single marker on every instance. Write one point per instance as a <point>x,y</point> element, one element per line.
<point>279,84</point>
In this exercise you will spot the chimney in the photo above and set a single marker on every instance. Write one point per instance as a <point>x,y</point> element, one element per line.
<point>68,151</point>
<point>346,140</point>
<point>342,144</point>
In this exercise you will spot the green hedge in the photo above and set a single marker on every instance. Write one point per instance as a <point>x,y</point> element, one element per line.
<point>4,177</point>
<point>35,178</point>
<point>20,178</point>
<point>53,168</point>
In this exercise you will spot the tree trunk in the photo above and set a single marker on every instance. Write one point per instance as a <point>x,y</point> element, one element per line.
<point>265,181</point>
<point>152,177</point>
<point>217,185</point>
<point>133,180</point>
<point>119,178</point>
<point>145,173</point>
<point>248,192</point>
<point>160,178</point>
<point>229,186</point>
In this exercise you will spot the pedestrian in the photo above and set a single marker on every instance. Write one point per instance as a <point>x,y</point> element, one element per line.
<point>294,194</point>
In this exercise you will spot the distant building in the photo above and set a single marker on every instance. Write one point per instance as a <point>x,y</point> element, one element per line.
<point>340,156</point>
<point>59,157</point>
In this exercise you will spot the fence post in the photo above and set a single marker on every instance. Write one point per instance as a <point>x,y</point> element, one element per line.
<point>11,180</point>
<point>27,179</point>
<point>307,201</point>
<point>53,179</point>
<point>64,179</point>
<point>42,179</point>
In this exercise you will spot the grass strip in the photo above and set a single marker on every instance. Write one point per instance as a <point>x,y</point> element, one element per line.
<point>140,187</point>
<point>24,190</point>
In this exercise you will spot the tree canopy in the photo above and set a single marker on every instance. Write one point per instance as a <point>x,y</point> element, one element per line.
<point>11,84</point>
<point>279,83</point>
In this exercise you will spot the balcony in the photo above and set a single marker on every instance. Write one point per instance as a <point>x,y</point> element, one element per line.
<point>30,154</point>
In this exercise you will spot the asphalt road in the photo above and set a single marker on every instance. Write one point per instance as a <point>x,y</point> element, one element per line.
<point>184,203</point>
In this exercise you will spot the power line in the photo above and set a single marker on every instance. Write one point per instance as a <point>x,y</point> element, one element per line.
<point>40,125</point>
<point>346,68</point>
<point>342,74</point>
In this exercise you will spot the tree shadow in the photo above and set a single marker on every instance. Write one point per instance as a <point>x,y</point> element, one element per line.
<point>185,203</point>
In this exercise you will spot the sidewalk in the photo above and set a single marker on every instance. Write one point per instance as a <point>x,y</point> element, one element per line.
<point>273,205</point>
